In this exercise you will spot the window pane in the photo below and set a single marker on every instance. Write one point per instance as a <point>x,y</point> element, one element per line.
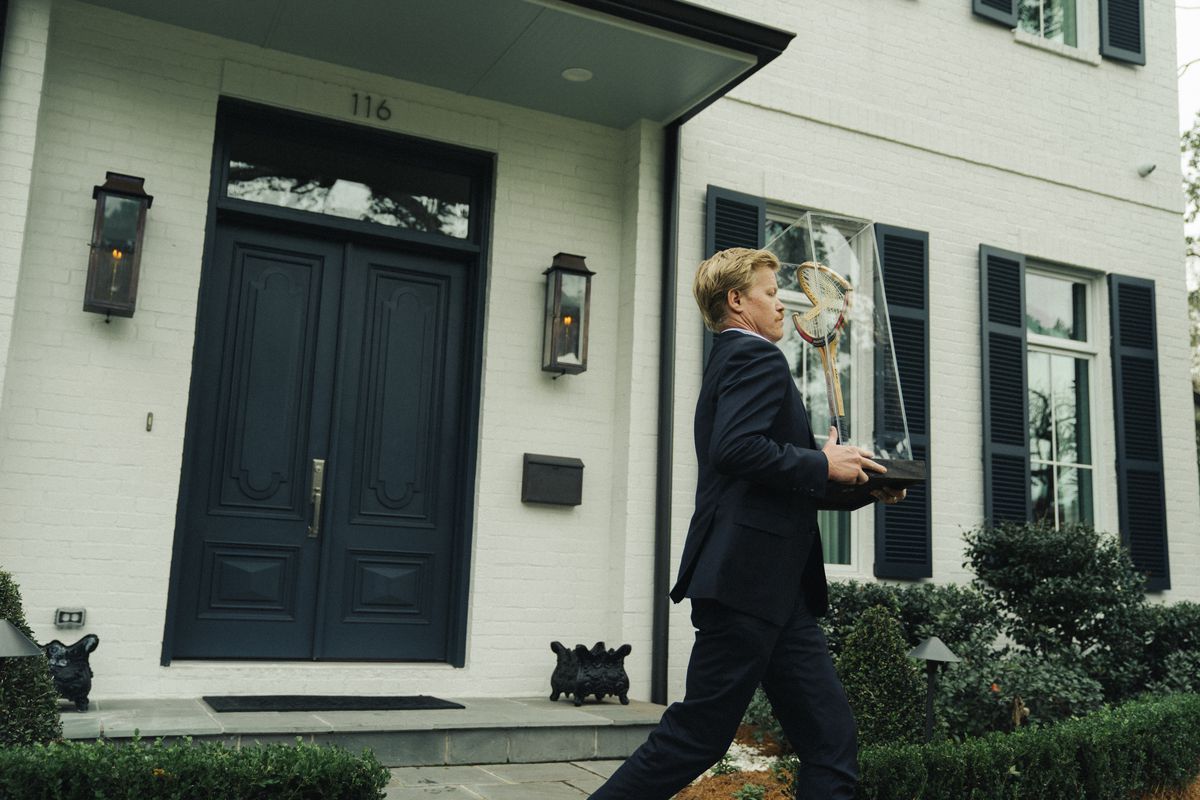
<point>1074,495</point>
<point>1041,484</point>
<point>1055,307</point>
<point>809,375</point>
<point>1051,19</point>
<point>1060,437</point>
<point>353,185</point>
<point>1062,376</point>
<point>1071,429</point>
<point>1029,16</point>
<point>1058,21</point>
<point>790,244</point>
<point>1041,407</point>
<point>835,536</point>
<point>805,364</point>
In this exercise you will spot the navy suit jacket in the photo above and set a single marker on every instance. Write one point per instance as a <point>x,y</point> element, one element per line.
<point>753,542</point>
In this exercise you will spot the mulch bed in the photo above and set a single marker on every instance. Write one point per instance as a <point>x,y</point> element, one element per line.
<point>722,787</point>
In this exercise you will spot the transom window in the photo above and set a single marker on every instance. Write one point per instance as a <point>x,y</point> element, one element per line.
<point>1060,357</point>
<point>342,181</point>
<point>1053,20</point>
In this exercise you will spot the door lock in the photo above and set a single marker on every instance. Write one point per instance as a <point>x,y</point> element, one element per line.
<point>318,488</point>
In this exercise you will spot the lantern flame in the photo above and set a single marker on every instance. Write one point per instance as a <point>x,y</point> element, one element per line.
<point>117,254</point>
<point>568,319</point>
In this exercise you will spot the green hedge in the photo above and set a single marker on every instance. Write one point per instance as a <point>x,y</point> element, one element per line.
<point>183,770</point>
<point>1116,754</point>
<point>966,621</point>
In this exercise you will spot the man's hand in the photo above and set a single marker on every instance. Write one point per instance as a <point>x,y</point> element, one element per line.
<point>889,496</point>
<point>847,463</point>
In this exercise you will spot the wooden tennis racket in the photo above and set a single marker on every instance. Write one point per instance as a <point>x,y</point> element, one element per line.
<point>830,295</point>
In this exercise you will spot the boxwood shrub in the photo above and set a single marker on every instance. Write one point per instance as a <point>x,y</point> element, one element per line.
<point>966,621</point>
<point>882,684</point>
<point>28,702</point>
<point>183,770</point>
<point>1115,754</point>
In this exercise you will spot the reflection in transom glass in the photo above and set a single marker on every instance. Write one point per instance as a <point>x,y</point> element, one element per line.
<point>1055,306</point>
<point>353,185</point>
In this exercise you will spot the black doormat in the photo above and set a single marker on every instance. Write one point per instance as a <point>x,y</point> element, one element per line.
<point>323,702</point>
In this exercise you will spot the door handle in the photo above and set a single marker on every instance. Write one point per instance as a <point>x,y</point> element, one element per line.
<point>318,488</point>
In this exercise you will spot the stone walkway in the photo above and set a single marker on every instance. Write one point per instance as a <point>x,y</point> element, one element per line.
<point>567,780</point>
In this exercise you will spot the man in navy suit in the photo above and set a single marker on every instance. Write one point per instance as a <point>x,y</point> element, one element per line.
<point>752,562</point>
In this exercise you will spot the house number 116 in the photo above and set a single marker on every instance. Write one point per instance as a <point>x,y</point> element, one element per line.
<point>363,107</point>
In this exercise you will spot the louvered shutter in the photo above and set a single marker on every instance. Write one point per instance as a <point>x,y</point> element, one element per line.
<point>1005,387</point>
<point>1123,31</point>
<point>1140,492</point>
<point>731,219</point>
<point>1002,11</point>
<point>902,531</point>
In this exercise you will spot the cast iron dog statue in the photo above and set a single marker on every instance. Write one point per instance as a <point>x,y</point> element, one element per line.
<point>70,669</point>
<point>581,672</point>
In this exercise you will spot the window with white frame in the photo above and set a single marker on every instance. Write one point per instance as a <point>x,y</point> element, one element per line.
<point>791,245</point>
<point>1053,20</point>
<point>1060,361</point>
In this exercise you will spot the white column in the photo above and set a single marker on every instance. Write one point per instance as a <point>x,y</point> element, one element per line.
<point>635,428</point>
<point>22,72</point>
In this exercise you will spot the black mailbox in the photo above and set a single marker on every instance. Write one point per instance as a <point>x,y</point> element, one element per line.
<point>552,479</point>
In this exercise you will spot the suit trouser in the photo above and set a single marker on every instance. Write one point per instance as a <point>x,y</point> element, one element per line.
<point>732,655</point>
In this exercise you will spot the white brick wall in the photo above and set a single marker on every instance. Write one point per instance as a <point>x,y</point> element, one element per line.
<point>917,115</point>
<point>928,118</point>
<point>88,496</point>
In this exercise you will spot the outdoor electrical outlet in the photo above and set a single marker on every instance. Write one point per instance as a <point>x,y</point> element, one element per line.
<point>69,617</point>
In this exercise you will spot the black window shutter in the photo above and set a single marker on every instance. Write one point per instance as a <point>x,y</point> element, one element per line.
<point>902,531</point>
<point>1140,492</point>
<point>1002,11</point>
<point>1005,387</point>
<point>1123,30</point>
<point>731,219</point>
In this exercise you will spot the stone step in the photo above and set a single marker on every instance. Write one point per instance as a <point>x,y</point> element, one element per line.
<point>485,731</point>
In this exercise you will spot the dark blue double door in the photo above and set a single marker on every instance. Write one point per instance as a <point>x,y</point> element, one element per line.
<point>331,365</point>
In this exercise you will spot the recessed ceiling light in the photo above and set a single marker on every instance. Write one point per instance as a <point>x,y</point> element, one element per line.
<point>577,74</point>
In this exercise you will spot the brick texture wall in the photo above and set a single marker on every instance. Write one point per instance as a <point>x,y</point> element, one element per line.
<point>918,115</point>
<point>89,496</point>
<point>924,116</point>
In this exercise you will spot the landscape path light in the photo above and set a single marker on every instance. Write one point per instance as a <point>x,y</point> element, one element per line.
<point>14,644</point>
<point>935,654</point>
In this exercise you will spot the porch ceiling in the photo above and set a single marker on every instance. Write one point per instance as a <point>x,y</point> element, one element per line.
<point>655,59</point>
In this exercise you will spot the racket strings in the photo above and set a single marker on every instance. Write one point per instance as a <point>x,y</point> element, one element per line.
<point>828,299</point>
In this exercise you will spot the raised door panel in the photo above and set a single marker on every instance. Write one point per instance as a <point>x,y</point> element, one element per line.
<point>265,346</point>
<point>393,532</point>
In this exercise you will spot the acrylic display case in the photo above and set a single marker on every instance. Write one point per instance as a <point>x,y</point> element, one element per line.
<point>841,307</point>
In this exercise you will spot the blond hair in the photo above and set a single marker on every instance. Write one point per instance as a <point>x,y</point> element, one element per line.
<point>728,270</point>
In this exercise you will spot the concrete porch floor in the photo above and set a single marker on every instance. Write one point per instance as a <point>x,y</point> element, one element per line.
<point>491,744</point>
